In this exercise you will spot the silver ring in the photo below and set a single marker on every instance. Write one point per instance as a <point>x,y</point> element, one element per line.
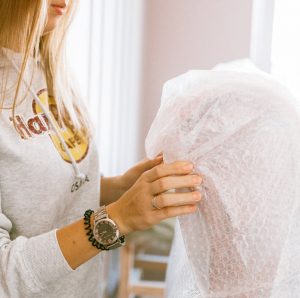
<point>154,205</point>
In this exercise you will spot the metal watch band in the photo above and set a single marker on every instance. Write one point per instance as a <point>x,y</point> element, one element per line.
<point>101,213</point>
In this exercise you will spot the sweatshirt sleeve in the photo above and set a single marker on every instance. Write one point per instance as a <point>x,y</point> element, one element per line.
<point>29,265</point>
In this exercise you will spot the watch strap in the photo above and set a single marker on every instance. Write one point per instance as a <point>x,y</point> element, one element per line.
<point>101,213</point>
<point>120,242</point>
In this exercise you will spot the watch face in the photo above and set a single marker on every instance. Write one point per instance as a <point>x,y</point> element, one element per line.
<point>105,232</point>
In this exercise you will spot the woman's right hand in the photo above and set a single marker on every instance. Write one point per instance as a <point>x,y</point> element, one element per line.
<point>134,210</point>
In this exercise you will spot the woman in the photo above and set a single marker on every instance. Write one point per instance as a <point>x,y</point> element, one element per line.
<point>241,131</point>
<point>49,176</point>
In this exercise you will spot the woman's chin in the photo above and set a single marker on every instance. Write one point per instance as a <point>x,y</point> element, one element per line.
<point>51,25</point>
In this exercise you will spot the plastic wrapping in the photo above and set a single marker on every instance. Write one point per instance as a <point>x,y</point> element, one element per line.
<point>242,133</point>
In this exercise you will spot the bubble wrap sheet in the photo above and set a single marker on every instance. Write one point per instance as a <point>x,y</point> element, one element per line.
<point>242,132</point>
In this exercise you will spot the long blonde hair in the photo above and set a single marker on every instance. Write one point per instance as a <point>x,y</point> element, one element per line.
<point>22,24</point>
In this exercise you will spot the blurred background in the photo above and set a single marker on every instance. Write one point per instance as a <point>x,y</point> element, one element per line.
<point>123,51</point>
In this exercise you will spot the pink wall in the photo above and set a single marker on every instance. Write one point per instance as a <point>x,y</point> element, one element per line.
<point>188,34</point>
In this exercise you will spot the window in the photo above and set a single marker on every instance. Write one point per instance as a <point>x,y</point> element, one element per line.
<point>285,55</point>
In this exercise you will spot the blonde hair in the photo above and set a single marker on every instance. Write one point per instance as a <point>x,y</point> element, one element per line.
<point>22,23</point>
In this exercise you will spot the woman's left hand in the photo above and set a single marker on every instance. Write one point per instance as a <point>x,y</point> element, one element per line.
<point>132,175</point>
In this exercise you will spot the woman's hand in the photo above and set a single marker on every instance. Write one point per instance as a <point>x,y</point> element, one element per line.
<point>132,175</point>
<point>134,210</point>
<point>112,188</point>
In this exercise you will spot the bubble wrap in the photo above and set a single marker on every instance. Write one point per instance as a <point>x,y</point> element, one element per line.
<point>242,133</point>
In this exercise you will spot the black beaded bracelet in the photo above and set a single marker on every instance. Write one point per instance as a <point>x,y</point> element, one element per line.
<point>90,234</point>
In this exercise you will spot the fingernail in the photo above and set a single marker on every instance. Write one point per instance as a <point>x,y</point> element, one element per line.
<point>197,196</point>
<point>188,167</point>
<point>197,180</point>
<point>193,208</point>
<point>159,157</point>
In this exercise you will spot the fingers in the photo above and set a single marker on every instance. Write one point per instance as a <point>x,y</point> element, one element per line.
<point>176,211</point>
<point>177,199</point>
<point>174,182</point>
<point>163,170</point>
<point>147,164</point>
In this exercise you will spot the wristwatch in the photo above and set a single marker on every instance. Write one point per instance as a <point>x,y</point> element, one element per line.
<point>106,231</point>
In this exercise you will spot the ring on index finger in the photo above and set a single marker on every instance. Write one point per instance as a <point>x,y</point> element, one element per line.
<point>154,204</point>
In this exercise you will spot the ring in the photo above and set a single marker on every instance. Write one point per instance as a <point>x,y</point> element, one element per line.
<point>154,205</point>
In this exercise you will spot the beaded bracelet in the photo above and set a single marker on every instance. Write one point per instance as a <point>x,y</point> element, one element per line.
<point>90,234</point>
<point>87,223</point>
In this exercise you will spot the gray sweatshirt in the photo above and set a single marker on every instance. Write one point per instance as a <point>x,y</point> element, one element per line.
<point>36,198</point>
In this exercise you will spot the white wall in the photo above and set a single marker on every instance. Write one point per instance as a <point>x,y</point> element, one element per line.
<point>188,34</point>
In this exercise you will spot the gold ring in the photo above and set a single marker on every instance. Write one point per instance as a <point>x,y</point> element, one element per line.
<point>154,205</point>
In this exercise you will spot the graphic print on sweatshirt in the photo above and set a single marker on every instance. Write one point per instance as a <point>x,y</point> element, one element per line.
<point>39,125</point>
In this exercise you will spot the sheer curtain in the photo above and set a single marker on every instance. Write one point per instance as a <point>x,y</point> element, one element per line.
<point>104,50</point>
<point>286,43</point>
<point>261,39</point>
